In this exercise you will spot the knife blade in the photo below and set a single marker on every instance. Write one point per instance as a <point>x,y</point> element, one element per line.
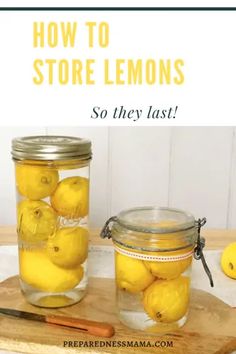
<point>100,329</point>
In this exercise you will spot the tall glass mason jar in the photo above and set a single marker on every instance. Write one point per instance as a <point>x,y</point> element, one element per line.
<point>153,256</point>
<point>52,186</point>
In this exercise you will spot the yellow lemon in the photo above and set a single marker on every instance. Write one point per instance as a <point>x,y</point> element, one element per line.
<point>228,260</point>
<point>131,274</point>
<point>71,198</point>
<point>38,271</point>
<point>68,247</point>
<point>164,224</point>
<point>167,300</point>
<point>36,182</point>
<point>169,269</point>
<point>36,220</point>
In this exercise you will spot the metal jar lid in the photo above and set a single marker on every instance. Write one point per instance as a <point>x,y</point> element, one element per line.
<point>51,147</point>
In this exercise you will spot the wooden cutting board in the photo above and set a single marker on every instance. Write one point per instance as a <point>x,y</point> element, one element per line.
<point>211,327</point>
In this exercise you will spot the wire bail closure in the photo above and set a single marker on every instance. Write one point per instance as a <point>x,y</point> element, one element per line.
<point>106,230</point>
<point>198,251</point>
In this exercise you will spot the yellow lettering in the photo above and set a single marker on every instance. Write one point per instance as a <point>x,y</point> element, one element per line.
<point>37,64</point>
<point>178,80</point>
<point>103,34</point>
<point>119,71</point>
<point>52,34</point>
<point>50,63</point>
<point>150,72</point>
<point>76,72</point>
<point>91,26</point>
<point>89,72</point>
<point>38,34</point>
<point>68,32</point>
<point>165,72</point>
<point>135,72</point>
<point>63,72</point>
<point>106,73</point>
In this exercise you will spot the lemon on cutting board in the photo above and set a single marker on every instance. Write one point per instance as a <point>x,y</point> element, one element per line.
<point>167,300</point>
<point>68,247</point>
<point>71,197</point>
<point>36,182</point>
<point>37,270</point>
<point>228,260</point>
<point>36,220</point>
<point>131,274</point>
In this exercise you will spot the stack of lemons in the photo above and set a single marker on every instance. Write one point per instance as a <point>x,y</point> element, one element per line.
<point>164,290</point>
<point>52,255</point>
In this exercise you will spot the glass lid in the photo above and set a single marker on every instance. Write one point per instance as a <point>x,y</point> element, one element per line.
<point>156,220</point>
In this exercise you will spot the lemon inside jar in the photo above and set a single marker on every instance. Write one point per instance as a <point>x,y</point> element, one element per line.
<point>162,284</point>
<point>52,184</point>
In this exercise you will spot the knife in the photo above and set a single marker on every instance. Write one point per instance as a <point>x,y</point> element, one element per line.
<point>95,328</point>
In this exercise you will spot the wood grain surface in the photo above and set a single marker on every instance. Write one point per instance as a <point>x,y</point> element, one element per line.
<point>215,239</point>
<point>211,327</point>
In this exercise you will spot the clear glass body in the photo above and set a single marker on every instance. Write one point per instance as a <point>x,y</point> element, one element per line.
<point>52,226</point>
<point>153,257</point>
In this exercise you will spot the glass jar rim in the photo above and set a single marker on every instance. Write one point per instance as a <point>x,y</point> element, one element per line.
<point>141,223</point>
